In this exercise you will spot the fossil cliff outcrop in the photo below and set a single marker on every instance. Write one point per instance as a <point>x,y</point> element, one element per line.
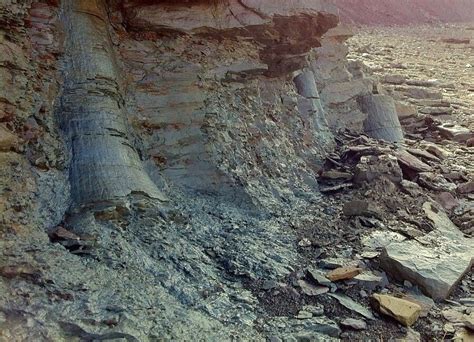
<point>225,110</point>
<point>160,159</point>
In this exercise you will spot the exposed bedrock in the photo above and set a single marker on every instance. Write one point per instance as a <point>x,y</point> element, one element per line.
<point>192,98</point>
<point>105,165</point>
<point>285,30</point>
<point>210,90</point>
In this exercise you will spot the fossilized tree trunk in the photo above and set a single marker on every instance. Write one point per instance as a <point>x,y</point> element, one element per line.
<point>105,165</point>
<point>306,86</point>
<point>309,106</point>
<point>382,119</point>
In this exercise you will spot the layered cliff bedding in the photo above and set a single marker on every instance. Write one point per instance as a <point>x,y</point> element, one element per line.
<point>176,170</point>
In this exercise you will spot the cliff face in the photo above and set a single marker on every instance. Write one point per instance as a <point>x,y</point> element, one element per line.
<point>387,12</point>
<point>160,143</point>
<point>198,93</point>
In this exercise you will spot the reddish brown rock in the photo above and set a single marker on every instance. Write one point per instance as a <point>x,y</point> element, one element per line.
<point>342,273</point>
<point>402,310</point>
<point>21,271</point>
<point>7,139</point>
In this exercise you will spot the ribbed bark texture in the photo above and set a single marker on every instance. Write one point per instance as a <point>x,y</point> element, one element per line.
<point>105,166</point>
<point>382,120</point>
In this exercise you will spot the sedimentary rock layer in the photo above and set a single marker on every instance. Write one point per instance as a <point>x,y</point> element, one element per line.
<point>196,98</point>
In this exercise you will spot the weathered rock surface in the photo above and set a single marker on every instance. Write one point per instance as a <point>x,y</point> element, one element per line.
<point>402,310</point>
<point>382,119</point>
<point>105,166</point>
<point>435,263</point>
<point>352,305</point>
<point>109,108</point>
<point>342,273</point>
<point>353,323</point>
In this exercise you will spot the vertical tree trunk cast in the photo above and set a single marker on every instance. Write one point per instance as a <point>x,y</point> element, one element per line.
<point>306,86</point>
<point>105,165</point>
<point>382,119</point>
<point>310,107</point>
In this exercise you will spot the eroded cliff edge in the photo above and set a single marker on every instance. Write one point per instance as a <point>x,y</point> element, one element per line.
<point>164,142</point>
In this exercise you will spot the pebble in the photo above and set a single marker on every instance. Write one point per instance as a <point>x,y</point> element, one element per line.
<point>304,242</point>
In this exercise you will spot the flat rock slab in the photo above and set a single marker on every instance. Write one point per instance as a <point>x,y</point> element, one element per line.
<point>455,132</point>
<point>436,262</point>
<point>304,329</point>
<point>423,154</point>
<point>404,311</point>
<point>466,188</point>
<point>356,324</point>
<point>370,281</point>
<point>412,162</point>
<point>312,290</point>
<point>352,305</point>
<point>447,201</point>
<point>360,208</point>
<point>319,277</point>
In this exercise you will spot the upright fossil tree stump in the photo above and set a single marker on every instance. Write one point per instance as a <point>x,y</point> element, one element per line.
<point>310,107</point>
<point>105,166</point>
<point>382,119</point>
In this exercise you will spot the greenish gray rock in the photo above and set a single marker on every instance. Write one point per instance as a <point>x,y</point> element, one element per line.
<point>437,262</point>
<point>352,305</point>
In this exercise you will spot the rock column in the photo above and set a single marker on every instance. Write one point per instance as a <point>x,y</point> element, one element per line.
<point>382,119</point>
<point>105,166</point>
<point>309,106</point>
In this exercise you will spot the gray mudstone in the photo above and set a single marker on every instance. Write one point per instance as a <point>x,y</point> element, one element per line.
<point>352,305</point>
<point>105,165</point>
<point>316,328</point>
<point>370,281</point>
<point>437,262</point>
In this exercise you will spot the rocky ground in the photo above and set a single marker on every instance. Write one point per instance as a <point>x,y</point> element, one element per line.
<point>371,202</point>
<point>387,12</point>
